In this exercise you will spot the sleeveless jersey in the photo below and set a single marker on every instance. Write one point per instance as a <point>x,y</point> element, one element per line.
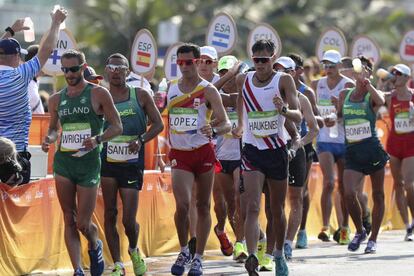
<point>359,120</point>
<point>228,147</point>
<point>187,113</point>
<point>326,107</point>
<point>264,125</point>
<point>79,122</point>
<point>134,122</point>
<point>401,125</point>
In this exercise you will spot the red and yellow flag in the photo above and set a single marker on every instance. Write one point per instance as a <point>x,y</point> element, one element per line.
<point>144,59</point>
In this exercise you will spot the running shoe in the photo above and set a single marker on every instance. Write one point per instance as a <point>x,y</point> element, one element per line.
<point>267,263</point>
<point>261,250</point>
<point>409,234</point>
<point>196,268</point>
<point>371,247</point>
<point>138,263</point>
<point>118,270</point>
<point>336,235</point>
<point>239,252</point>
<point>288,251</point>
<point>251,265</point>
<point>97,261</point>
<point>281,266</point>
<point>356,242</point>
<point>79,272</point>
<point>302,239</point>
<point>226,246</point>
<point>344,236</point>
<point>324,235</point>
<point>366,222</point>
<point>178,267</point>
<point>192,243</point>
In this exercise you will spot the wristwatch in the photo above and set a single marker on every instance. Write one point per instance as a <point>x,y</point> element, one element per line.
<point>98,139</point>
<point>10,30</point>
<point>284,110</point>
<point>141,139</point>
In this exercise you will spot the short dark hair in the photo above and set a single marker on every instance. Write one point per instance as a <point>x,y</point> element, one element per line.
<point>74,54</point>
<point>298,59</point>
<point>346,63</point>
<point>31,52</point>
<point>120,56</point>
<point>366,61</point>
<point>264,45</point>
<point>189,48</point>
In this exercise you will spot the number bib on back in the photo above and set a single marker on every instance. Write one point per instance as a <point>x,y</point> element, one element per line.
<point>73,135</point>
<point>263,123</point>
<point>118,152</point>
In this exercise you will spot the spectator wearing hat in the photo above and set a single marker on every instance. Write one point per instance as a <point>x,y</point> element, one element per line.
<point>90,75</point>
<point>14,81</point>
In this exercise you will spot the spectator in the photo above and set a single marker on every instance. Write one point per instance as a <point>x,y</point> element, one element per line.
<point>33,88</point>
<point>10,169</point>
<point>90,75</point>
<point>14,81</point>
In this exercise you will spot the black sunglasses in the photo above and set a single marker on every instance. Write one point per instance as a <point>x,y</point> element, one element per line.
<point>261,59</point>
<point>396,73</point>
<point>72,69</point>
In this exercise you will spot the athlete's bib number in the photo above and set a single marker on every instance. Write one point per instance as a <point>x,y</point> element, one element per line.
<point>183,120</point>
<point>357,130</point>
<point>233,121</point>
<point>118,150</point>
<point>73,135</point>
<point>326,108</point>
<point>403,124</point>
<point>263,123</point>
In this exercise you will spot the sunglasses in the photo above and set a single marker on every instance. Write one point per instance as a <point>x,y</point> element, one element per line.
<point>187,62</point>
<point>205,61</point>
<point>328,65</point>
<point>261,59</point>
<point>116,68</point>
<point>396,73</point>
<point>72,69</point>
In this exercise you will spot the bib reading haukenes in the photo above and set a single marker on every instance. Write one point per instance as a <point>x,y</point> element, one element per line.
<point>78,119</point>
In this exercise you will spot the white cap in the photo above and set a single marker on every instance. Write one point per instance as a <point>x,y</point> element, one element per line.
<point>332,56</point>
<point>404,69</point>
<point>209,51</point>
<point>286,62</point>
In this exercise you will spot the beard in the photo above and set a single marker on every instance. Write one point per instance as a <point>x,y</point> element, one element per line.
<point>73,81</point>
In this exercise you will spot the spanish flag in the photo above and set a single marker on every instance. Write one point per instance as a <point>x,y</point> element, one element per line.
<point>144,59</point>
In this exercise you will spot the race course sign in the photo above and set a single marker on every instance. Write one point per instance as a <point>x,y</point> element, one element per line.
<point>143,52</point>
<point>331,39</point>
<point>264,31</point>
<point>367,47</point>
<point>222,33</point>
<point>65,42</point>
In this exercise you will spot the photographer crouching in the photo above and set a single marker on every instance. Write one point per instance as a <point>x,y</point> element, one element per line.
<point>14,169</point>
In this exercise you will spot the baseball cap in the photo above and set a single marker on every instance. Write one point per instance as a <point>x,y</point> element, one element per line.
<point>286,62</point>
<point>402,68</point>
<point>90,74</point>
<point>10,46</point>
<point>332,56</point>
<point>209,51</point>
<point>226,62</point>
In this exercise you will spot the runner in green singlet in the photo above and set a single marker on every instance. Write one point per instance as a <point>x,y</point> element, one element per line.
<point>80,108</point>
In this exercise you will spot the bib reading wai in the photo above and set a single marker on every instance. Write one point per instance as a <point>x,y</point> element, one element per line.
<point>183,120</point>
<point>73,135</point>
<point>403,124</point>
<point>263,123</point>
<point>118,150</point>
<point>357,130</point>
